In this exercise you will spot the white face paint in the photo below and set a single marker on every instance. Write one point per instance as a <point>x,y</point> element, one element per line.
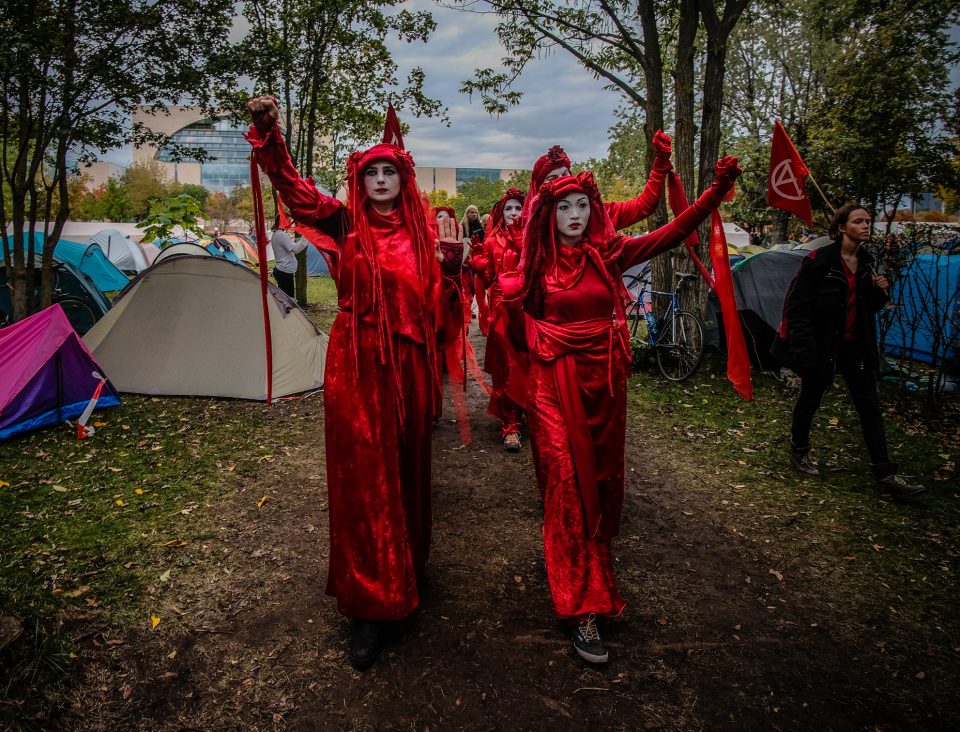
<point>573,213</point>
<point>557,173</point>
<point>381,180</point>
<point>441,215</point>
<point>511,211</point>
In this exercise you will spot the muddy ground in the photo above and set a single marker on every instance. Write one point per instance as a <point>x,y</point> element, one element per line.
<point>711,638</point>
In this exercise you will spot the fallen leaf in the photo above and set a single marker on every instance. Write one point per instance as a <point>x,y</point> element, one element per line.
<point>834,421</point>
<point>114,470</point>
<point>99,424</point>
<point>776,574</point>
<point>4,484</point>
<point>165,576</point>
<point>921,675</point>
<point>748,450</point>
<point>59,489</point>
<point>154,621</point>
<point>661,621</point>
<point>138,491</point>
<point>125,691</point>
<point>120,502</point>
<point>261,502</point>
<point>177,543</point>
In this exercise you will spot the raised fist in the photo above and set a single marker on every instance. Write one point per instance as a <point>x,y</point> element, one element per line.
<point>264,111</point>
<point>727,170</point>
<point>662,143</point>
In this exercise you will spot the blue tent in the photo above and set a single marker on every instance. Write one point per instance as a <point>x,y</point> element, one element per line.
<point>316,264</point>
<point>927,294</point>
<point>87,258</point>
<point>222,253</point>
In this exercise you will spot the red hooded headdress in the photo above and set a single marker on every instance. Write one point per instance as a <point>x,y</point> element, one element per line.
<point>414,211</point>
<point>554,158</point>
<point>540,252</point>
<point>496,213</point>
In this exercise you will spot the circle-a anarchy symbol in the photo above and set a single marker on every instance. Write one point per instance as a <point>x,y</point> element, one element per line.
<point>785,183</point>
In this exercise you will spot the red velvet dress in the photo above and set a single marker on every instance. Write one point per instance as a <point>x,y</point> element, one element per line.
<point>380,398</point>
<point>576,413</point>
<point>506,364</point>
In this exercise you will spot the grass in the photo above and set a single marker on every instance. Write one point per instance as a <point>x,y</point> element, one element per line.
<point>890,564</point>
<point>93,527</point>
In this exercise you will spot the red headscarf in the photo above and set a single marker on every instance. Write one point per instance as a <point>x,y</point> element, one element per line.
<point>414,210</point>
<point>496,213</point>
<point>540,231</point>
<point>450,212</point>
<point>554,158</point>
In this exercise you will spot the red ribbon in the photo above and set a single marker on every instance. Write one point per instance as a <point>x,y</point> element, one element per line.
<point>260,229</point>
<point>738,362</point>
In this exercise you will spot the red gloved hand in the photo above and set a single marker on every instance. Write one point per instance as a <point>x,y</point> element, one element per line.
<point>663,149</point>
<point>727,171</point>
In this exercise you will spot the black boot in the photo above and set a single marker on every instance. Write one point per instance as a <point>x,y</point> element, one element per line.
<point>364,644</point>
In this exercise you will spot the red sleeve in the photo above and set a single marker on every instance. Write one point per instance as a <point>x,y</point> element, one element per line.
<point>307,204</point>
<point>627,213</point>
<point>637,249</point>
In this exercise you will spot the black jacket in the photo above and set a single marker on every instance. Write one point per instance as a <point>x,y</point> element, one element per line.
<point>815,311</point>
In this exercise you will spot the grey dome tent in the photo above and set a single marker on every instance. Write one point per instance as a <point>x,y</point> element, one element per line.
<point>194,326</point>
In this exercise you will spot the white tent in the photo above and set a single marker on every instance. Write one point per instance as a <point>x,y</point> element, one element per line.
<point>194,326</point>
<point>736,237</point>
<point>120,249</point>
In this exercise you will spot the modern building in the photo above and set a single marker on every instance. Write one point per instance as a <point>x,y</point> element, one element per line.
<point>229,165</point>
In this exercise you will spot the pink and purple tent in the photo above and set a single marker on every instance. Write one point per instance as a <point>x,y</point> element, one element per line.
<point>46,374</point>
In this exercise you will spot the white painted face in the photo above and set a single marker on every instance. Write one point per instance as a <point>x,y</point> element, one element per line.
<point>441,215</point>
<point>573,213</point>
<point>511,211</point>
<point>557,173</point>
<point>381,180</point>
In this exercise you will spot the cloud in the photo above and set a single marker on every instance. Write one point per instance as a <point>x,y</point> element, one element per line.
<point>562,103</point>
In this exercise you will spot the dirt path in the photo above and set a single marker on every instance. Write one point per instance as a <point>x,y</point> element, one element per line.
<point>710,639</point>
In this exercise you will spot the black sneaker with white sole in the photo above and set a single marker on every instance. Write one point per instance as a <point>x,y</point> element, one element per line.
<point>587,641</point>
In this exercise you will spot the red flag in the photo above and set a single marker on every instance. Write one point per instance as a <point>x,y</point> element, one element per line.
<point>738,362</point>
<point>391,128</point>
<point>785,187</point>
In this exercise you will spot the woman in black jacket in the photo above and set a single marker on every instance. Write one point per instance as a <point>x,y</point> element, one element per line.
<point>828,326</point>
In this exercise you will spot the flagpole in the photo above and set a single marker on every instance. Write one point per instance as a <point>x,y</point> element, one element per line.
<point>822,194</point>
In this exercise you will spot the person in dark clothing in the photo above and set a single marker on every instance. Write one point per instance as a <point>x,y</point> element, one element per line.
<point>828,326</point>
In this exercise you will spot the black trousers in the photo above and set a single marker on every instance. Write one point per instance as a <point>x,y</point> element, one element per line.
<point>284,281</point>
<point>863,389</point>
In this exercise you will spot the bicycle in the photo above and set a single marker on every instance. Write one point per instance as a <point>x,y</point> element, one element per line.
<point>676,336</point>
<point>78,311</point>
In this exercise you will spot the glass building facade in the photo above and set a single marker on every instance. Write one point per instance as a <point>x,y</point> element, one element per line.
<point>223,141</point>
<point>468,174</point>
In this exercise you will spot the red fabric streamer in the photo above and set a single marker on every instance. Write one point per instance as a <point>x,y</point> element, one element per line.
<point>785,186</point>
<point>738,362</point>
<point>678,203</point>
<point>261,234</point>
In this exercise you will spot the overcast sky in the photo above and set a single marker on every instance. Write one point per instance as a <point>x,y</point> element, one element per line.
<point>562,103</point>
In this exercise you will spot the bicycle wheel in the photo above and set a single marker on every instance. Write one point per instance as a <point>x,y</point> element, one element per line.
<point>680,347</point>
<point>79,313</point>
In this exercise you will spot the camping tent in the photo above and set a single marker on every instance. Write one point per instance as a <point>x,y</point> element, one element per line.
<point>120,249</point>
<point>316,264</point>
<point>88,259</point>
<point>760,284</point>
<point>735,235</point>
<point>183,248</point>
<point>925,296</point>
<point>194,326</point>
<point>46,374</point>
<point>809,246</point>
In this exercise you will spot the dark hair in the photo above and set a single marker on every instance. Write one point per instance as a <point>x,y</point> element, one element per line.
<point>841,217</point>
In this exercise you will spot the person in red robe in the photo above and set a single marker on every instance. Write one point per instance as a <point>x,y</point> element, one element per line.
<point>503,360</point>
<point>556,163</point>
<point>579,363</point>
<point>382,385</point>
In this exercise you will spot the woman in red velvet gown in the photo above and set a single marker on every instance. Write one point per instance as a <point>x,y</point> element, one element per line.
<point>507,365</point>
<point>381,390</point>
<point>579,363</point>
